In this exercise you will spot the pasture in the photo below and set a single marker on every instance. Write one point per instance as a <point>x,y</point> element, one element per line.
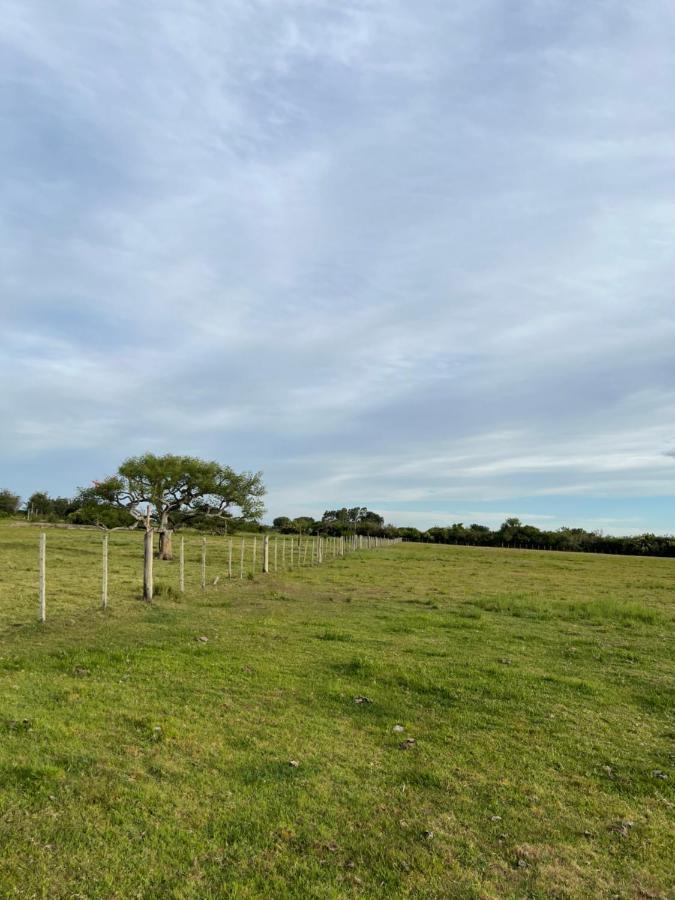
<point>240,741</point>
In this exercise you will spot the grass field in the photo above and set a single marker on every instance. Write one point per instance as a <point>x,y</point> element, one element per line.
<point>137,760</point>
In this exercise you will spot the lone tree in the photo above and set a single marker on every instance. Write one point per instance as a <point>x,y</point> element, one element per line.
<point>180,487</point>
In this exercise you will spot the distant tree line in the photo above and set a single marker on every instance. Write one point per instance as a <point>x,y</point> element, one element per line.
<point>514,533</point>
<point>96,506</point>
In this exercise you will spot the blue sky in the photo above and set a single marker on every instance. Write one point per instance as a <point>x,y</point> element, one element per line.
<point>417,256</point>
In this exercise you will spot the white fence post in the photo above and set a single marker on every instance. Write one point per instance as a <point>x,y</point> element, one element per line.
<point>181,566</point>
<point>203,564</point>
<point>148,581</point>
<point>104,573</point>
<point>43,576</point>
<point>266,554</point>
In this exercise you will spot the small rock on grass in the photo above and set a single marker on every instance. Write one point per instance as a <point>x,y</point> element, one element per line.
<point>203,639</point>
<point>398,729</point>
<point>362,700</point>
<point>293,763</point>
<point>622,827</point>
<point>657,773</point>
<point>407,744</point>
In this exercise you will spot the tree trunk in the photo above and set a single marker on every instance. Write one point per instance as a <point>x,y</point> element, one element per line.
<point>165,543</point>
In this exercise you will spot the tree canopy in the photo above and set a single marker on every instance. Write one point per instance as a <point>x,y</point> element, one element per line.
<point>9,502</point>
<point>180,488</point>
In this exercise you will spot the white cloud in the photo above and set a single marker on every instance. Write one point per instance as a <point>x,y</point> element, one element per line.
<point>391,252</point>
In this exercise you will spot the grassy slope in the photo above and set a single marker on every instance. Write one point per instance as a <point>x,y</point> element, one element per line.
<point>137,761</point>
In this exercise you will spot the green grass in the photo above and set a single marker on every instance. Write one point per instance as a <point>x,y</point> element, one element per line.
<point>139,761</point>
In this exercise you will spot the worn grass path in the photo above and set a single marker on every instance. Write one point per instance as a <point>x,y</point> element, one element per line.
<point>139,761</point>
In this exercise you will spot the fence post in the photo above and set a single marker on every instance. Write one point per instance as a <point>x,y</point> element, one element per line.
<point>292,540</point>
<point>229,559</point>
<point>254,555</point>
<point>181,566</point>
<point>104,573</point>
<point>266,554</point>
<point>43,576</point>
<point>283,553</point>
<point>148,584</point>
<point>276,548</point>
<point>203,564</point>
<point>241,560</point>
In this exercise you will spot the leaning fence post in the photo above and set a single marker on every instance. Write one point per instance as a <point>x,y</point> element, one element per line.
<point>266,554</point>
<point>203,564</point>
<point>43,576</point>
<point>104,573</point>
<point>181,565</point>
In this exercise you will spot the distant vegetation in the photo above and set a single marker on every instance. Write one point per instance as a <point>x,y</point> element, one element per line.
<point>206,491</point>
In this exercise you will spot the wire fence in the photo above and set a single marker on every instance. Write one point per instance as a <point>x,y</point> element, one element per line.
<point>57,572</point>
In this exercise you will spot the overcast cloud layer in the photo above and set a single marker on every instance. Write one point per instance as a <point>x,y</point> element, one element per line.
<point>413,255</point>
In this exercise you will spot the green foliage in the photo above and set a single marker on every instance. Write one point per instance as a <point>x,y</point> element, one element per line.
<point>178,488</point>
<point>9,503</point>
<point>49,509</point>
<point>357,520</point>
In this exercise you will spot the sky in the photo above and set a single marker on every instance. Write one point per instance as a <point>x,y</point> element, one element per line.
<point>412,256</point>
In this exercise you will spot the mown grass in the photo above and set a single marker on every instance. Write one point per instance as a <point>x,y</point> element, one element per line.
<point>139,761</point>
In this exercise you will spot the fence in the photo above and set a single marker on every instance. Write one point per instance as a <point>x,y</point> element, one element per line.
<point>102,570</point>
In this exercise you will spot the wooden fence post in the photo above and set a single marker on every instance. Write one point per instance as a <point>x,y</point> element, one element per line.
<point>283,553</point>
<point>292,541</point>
<point>203,564</point>
<point>266,554</point>
<point>43,576</point>
<point>148,583</point>
<point>241,560</point>
<point>229,559</point>
<point>254,555</point>
<point>104,573</point>
<point>181,566</point>
<point>276,548</point>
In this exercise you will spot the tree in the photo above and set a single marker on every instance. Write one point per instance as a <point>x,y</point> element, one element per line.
<point>40,503</point>
<point>182,487</point>
<point>356,519</point>
<point>303,524</point>
<point>283,524</point>
<point>9,503</point>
